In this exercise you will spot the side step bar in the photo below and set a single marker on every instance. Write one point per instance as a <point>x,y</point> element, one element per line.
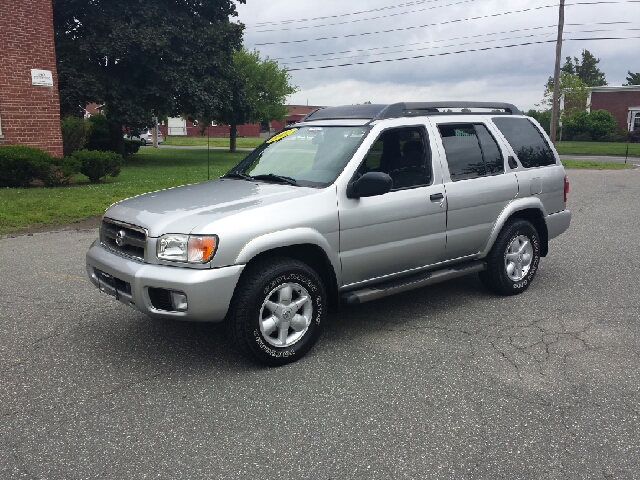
<point>409,283</point>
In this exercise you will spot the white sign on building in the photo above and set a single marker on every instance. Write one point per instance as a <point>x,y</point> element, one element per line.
<point>43,78</point>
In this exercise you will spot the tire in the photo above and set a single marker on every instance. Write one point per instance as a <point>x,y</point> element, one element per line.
<point>513,260</point>
<point>144,141</point>
<point>263,325</point>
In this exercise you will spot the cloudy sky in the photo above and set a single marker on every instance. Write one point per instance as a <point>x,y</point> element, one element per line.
<point>314,33</point>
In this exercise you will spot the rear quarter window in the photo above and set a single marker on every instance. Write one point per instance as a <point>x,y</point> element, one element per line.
<point>526,140</point>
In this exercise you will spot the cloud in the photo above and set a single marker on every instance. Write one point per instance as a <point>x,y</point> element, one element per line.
<point>429,27</point>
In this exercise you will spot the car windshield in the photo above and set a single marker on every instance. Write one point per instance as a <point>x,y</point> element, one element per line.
<point>305,156</point>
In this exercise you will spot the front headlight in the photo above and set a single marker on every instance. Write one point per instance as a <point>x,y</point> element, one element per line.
<point>186,248</point>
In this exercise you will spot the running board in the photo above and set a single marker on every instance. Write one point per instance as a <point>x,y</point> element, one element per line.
<point>409,283</point>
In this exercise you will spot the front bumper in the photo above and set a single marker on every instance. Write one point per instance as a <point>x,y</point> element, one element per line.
<point>208,291</point>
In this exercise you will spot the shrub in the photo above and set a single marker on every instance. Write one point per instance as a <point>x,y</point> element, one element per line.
<point>20,164</point>
<point>601,123</point>
<point>617,136</point>
<point>96,164</point>
<point>131,147</point>
<point>598,125</point>
<point>634,137</point>
<point>99,135</point>
<point>75,133</point>
<point>576,126</point>
<point>582,137</point>
<point>60,172</point>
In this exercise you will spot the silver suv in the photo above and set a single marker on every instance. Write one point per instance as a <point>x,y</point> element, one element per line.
<point>351,204</point>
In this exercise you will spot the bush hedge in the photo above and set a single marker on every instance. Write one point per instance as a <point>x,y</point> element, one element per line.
<point>75,133</point>
<point>99,135</point>
<point>598,125</point>
<point>20,165</point>
<point>131,146</point>
<point>97,164</point>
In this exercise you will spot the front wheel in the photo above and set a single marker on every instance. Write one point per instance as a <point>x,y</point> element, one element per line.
<point>513,260</point>
<point>278,311</point>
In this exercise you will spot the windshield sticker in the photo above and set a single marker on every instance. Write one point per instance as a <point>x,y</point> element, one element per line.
<point>315,129</point>
<point>281,135</point>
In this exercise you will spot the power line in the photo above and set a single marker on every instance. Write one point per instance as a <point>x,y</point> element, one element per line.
<point>443,40</point>
<point>455,45</point>
<point>409,28</point>
<point>297,20</point>
<point>494,15</point>
<point>388,60</point>
<point>305,27</point>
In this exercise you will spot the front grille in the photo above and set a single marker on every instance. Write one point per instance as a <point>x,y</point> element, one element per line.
<point>123,238</point>
<point>161,299</point>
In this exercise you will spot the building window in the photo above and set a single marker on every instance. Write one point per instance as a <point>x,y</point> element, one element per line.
<point>636,123</point>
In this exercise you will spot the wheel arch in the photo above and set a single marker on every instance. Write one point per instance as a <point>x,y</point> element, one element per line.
<point>530,209</point>
<point>304,245</point>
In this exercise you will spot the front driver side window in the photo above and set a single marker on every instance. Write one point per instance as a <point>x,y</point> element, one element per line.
<point>402,153</point>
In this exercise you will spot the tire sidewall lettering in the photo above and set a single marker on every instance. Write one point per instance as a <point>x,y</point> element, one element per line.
<point>309,284</point>
<point>533,238</point>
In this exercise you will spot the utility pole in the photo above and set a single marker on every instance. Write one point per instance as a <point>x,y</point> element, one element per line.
<point>556,76</point>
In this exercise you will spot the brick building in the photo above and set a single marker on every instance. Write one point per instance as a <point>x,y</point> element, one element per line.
<point>622,102</point>
<point>180,127</point>
<point>29,102</point>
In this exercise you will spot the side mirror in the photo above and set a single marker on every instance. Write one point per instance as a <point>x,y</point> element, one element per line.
<point>370,184</point>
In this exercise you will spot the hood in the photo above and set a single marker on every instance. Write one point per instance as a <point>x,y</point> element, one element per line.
<point>182,209</point>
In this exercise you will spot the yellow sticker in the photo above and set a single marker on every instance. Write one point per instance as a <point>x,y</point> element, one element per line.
<point>281,135</point>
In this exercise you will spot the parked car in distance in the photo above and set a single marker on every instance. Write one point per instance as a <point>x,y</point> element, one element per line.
<point>348,205</point>
<point>146,137</point>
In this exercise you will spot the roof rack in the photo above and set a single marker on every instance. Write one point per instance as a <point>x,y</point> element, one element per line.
<point>398,110</point>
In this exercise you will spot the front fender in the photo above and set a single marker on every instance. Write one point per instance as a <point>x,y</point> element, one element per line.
<point>286,238</point>
<point>516,205</point>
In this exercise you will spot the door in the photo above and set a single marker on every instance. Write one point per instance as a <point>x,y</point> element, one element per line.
<point>478,188</point>
<point>404,229</point>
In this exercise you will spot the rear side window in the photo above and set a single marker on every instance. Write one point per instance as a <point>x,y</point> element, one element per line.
<point>526,140</point>
<point>471,151</point>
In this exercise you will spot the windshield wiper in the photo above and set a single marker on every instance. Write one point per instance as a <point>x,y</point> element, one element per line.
<point>272,177</point>
<point>243,176</point>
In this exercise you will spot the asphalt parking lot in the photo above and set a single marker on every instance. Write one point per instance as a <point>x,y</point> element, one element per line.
<point>444,382</point>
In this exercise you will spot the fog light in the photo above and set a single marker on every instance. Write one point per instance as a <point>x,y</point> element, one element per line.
<point>179,301</point>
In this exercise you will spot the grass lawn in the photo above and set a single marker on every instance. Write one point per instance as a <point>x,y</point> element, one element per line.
<point>245,142</point>
<point>596,148</point>
<point>151,169</point>
<point>591,165</point>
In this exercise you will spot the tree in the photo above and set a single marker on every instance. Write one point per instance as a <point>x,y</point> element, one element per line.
<point>542,116</point>
<point>259,92</point>
<point>632,79</point>
<point>574,91</point>
<point>139,57</point>
<point>586,69</point>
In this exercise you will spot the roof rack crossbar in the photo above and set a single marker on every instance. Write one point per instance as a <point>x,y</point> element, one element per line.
<point>398,110</point>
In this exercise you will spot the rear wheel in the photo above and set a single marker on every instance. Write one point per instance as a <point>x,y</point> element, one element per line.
<point>513,260</point>
<point>278,311</point>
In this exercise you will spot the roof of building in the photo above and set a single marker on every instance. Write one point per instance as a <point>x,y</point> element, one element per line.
<point>616,88</point>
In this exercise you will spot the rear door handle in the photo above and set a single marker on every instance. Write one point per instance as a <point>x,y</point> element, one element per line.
<point>436,197</point>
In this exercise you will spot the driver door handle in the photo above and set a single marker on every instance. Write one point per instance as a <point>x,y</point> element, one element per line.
<point>436,197</point>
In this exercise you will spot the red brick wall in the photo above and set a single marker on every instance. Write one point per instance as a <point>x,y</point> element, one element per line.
<point>30,115</point>
<point>616,103</point>
<point>219,131</point>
